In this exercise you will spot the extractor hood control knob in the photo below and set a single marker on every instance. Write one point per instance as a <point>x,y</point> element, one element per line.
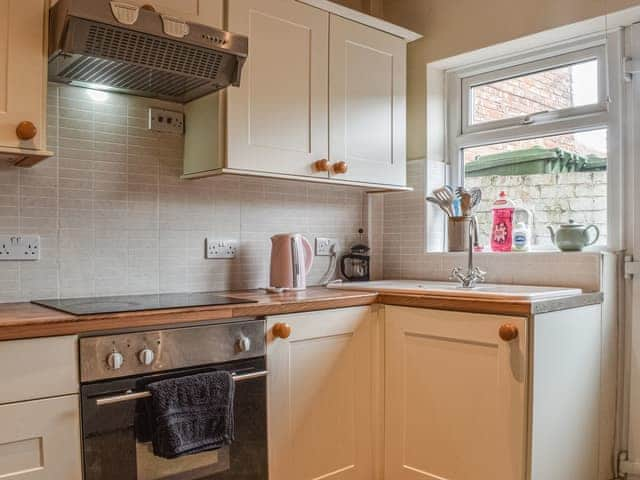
<point>244,344</point>
<point>146,356</point>
<point>115,360</point>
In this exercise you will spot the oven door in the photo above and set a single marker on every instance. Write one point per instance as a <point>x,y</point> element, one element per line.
<point>116,447</point>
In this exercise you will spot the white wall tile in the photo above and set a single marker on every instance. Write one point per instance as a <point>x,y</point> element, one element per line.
<point>116,218</point>
<point>404,249</point>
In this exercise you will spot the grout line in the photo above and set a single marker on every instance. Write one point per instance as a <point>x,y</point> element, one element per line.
<point>58,249</point>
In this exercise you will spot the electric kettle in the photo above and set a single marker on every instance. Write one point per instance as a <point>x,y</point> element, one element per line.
<point>291,260</point>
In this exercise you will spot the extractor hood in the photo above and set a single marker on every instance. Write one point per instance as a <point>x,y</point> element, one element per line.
<point>121,47</point>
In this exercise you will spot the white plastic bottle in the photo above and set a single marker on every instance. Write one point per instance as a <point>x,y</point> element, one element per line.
<point>521,237</point>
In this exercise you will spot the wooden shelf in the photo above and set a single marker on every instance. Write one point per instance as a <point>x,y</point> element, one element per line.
<point>22,157</point>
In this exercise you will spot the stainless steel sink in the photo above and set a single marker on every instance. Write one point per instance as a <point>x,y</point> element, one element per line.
<point>486,290</point>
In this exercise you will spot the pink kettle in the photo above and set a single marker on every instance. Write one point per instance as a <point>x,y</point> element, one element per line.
<point>291,260</point>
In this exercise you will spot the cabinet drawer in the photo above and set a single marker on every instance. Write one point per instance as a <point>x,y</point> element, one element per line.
<point>40,440</point>
<point>37,368</point>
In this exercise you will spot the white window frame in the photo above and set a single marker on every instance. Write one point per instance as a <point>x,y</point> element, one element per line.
<point>557,61</point>
<point>459,134</point>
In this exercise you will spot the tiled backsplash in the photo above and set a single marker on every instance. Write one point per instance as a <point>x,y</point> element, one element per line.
<point>404,247</point>
<point>115,217</point>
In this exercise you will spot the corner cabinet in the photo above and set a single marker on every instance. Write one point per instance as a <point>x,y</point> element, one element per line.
<point>324,395</point>
<point>456,398</point>
<point>322,99</point>
<point>23,67</point>
<point>475,396</point>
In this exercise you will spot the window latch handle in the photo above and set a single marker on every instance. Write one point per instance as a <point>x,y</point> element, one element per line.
<point>529,119</point>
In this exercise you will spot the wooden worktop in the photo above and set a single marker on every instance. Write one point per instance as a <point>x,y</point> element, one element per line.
<point>27,320</point>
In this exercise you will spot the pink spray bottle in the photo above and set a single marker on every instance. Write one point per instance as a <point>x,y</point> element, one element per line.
<point>502,227</point>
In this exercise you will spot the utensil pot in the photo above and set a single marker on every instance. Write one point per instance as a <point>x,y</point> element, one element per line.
<point>458,233</point>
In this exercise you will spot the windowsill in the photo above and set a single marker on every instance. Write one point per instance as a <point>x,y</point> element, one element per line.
<point>542,251</point>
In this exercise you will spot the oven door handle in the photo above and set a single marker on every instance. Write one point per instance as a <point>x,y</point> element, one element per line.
<point>126,397</point>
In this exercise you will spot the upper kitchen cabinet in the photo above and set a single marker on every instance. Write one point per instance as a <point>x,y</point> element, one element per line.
<point>206,12</point>
<point>322,99</point>
<point>23,81</point>
<point>277,119</point>
<point>367,91</point>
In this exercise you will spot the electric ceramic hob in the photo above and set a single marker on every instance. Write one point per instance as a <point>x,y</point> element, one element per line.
<point>136,303</point>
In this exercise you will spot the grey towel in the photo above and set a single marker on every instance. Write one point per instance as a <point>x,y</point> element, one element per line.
<point>191,414</point>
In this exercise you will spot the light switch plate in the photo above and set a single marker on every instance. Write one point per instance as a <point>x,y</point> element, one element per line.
<point>19,247</point>
<point>221,248</point>
<point>167,121</point>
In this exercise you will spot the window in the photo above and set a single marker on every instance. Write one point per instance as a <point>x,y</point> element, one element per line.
<point>537,130</point>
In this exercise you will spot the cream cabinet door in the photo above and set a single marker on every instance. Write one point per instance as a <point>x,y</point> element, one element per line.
<point>323,388</point>
<point>22,71</point>
<point>277,118</point>
<point>367,103</point>
<point>40,440</point>
<point>455,396</point>
<point>206,12</point>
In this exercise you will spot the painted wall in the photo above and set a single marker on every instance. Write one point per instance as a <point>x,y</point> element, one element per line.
<point>454,27</point>
<point>371,7</point>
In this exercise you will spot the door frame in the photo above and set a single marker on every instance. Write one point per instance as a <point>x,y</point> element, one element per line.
<point>630,415</point>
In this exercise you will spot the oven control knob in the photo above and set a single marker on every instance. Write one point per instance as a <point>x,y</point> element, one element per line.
<point>146,356</point>
<point>244,344</point>
<point>115,360</point>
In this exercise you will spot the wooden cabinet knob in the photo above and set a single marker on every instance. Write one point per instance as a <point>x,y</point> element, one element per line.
<point>340,168</point>
<point>322,165</point>
<point>508,332</point>
<point>281,330</point>
<point>26,130</point>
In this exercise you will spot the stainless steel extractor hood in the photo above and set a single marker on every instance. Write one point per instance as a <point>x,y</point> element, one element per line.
<point>120,47</point>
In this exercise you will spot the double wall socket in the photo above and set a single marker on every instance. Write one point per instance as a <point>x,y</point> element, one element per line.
<point>19,247</point>
<point>324,246</point>
<point>167,121</point>
<point>221,248</point>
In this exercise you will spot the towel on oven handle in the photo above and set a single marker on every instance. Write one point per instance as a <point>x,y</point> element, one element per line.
<point>190,414</point>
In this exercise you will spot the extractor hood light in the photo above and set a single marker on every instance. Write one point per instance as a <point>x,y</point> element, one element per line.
<point>97,95</point>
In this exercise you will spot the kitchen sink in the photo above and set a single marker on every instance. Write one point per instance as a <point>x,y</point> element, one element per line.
<point>451,289</point>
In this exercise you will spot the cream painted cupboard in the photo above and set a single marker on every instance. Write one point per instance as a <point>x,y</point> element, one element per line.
<point>277,118</point>
<point>322,98</point>
<point>456,398</point>
<point>367,91</point>
<point>23,33</point>
<point>40,410</point>
<point>465,400</point>
<point>324,395</point>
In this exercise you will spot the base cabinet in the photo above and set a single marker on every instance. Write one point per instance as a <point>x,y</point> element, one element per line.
<point>40,410</point>
<point>324,417</point>
<point>456,399</point>
<point>40,440</point>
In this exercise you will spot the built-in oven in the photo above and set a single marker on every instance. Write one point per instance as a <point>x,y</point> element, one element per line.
<point>115,371</point>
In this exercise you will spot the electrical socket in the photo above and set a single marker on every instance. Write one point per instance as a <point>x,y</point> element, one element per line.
<point>19,247</point>
<point>323,246</point>
<point>221,248</point>
<point>167,121</point>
